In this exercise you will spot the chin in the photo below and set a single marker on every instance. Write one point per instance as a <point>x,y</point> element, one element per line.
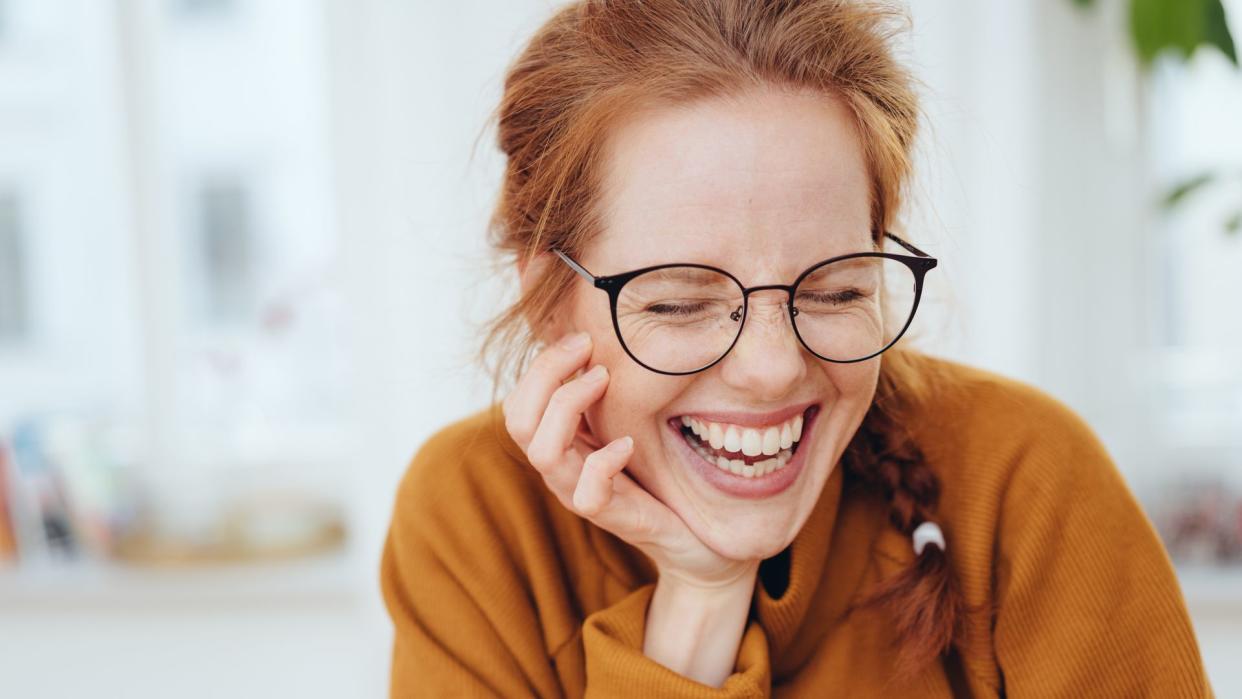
<point>743,543</point>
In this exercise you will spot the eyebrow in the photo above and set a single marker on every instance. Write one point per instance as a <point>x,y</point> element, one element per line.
<point>604,281</point>
<point>807,262</point>
<point>689,274</point>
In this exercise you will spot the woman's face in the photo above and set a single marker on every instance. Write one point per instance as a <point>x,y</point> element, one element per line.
<point>762,185</point>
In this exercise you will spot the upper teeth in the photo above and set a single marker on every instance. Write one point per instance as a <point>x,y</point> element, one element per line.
<point>750,441</point>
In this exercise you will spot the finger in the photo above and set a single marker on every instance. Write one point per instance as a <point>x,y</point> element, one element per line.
<point>555,434</point>
<point>524,407</point>
<point>636,515</point>
<point>594,489</point>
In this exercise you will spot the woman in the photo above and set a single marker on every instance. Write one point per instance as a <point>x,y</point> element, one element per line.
<point>717,476</point>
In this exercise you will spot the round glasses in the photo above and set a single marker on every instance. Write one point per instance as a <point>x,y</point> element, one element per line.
<point>682,318</point>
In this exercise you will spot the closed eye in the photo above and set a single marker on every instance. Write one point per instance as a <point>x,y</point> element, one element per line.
<point>676,309</point>
<point>844,296</point>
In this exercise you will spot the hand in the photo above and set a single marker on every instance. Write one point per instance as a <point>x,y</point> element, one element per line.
<point>543,414</point>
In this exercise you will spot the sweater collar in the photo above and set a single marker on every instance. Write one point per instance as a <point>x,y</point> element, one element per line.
<point>826,563</point>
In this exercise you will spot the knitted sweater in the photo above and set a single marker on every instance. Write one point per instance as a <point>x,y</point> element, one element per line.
<point>495,589</point>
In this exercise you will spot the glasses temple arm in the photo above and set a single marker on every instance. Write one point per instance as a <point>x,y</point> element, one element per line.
<point>575,266</point>
<point>906,245</point>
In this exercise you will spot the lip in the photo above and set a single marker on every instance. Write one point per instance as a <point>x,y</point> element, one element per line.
<point>750,488</point>
<point>743,419</point>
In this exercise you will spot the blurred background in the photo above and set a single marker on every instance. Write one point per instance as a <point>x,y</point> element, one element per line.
<point>242,268</point>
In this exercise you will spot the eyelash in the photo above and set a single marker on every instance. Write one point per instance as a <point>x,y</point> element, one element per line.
<point>840,297</point>
<point>676,310</point>
<point>667,309</point>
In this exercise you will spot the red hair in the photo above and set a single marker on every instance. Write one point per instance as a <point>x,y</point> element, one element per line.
<point>596,59</point>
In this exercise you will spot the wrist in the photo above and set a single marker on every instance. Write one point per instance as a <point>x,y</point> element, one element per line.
<point>731,582</point>
<point>695,629</point>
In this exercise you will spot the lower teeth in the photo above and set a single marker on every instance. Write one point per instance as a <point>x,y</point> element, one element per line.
<point>741,468</point>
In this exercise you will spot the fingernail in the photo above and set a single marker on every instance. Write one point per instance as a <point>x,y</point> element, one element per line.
<point>575,341</point>
<point>597,373</point>
<point>623,444</point>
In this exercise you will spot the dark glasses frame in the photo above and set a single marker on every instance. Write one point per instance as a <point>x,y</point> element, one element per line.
<point>919,265</point>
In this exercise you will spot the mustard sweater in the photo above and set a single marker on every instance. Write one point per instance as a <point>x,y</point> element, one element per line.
<point>495,589</point>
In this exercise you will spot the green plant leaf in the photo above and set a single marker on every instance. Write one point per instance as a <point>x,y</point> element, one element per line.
<point>1217,33</point>
<point>1179,25</point>
<point>1185,188</point>
<point>1158,25</point>
<point>1234,223</point>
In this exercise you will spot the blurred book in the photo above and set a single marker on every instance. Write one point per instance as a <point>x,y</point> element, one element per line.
<point>1200,521</point>
<point>36,499</point>
<point>70,488</point>
<point>8,539</point>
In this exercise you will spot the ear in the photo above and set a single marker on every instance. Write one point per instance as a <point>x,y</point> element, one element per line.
<point>532,273</point>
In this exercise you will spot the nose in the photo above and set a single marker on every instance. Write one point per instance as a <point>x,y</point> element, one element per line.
<point>767,361</point>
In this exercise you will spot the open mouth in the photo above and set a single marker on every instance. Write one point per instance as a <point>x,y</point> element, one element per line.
<point>749,452</point>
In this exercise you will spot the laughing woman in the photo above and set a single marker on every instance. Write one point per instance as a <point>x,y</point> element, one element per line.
<point>716,473</point>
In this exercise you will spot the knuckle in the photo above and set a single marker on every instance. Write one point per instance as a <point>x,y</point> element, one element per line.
<point>517,429</point>
<point>582,506</point>
<point>563,398</point>
<point>518,426</point>
<point>546,362</point>
<point>563,402</point>
<point>544,454</point>
<point>643,525</point>
<point>591,462</point>
<point>540,456</point>
<point>650,526</point>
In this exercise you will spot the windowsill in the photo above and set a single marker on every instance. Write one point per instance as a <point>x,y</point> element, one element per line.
<point>321,580</point>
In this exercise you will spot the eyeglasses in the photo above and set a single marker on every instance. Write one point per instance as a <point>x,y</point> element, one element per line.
<point>682,318</point>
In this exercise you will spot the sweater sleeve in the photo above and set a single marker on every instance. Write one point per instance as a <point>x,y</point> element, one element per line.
<point>446,640</point>
<point>462,607</point>
<point>616,666</point>
<point>475,589</point>
<point>1087,600</point>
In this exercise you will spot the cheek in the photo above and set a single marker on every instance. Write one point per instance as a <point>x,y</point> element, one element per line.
<point>620,398</point>
<point>630,399</point>
<point>630,404</point>
<point>854,383</point>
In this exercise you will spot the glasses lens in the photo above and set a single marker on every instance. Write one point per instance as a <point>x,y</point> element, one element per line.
<point>853,308</point>
<point>679,319</point>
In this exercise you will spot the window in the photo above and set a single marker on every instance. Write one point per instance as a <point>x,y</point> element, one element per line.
<point>224,250</point>
<point>1196,380</point>
<point>14,311</point>
<point>200,8</point>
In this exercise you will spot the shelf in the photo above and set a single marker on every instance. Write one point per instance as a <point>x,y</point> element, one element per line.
<point>338,579</point>
<point>1211,587</point>
<point>327,579</point>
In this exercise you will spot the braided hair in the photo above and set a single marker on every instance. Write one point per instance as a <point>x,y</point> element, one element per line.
<point>923,602</point>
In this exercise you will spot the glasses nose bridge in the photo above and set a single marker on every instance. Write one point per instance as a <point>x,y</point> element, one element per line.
<point>784,303</point>
<point>787,288</point>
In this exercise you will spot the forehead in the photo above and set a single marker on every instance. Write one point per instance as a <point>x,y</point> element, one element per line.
<point>761,184</point>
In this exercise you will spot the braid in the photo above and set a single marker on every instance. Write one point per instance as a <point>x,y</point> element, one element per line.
<point>923,600</point>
